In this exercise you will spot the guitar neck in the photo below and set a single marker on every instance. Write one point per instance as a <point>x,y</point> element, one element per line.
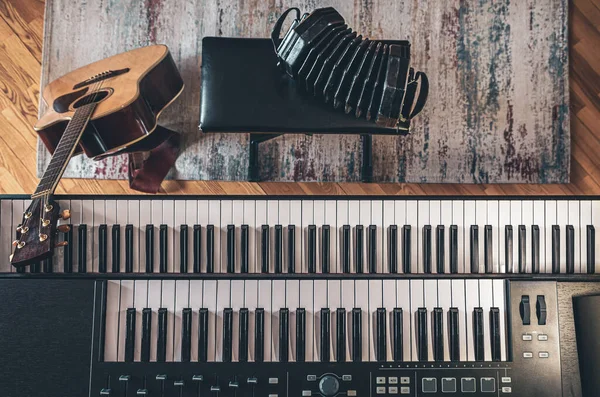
<point>64,150</point>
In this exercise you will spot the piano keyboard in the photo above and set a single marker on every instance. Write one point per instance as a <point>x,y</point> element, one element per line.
<point>482,236</point>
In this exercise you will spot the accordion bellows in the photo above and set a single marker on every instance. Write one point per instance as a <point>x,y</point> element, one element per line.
<point>363,77</point>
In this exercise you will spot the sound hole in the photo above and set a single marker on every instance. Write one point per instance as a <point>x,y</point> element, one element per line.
<point>93,97</point>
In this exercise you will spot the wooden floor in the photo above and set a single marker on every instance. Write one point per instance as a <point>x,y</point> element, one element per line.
<point>21,26</point>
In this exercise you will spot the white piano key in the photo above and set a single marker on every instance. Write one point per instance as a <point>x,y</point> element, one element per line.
<point>375,302</point>
<point>416,301</point>
<point>7,234</point>
<point>203,220</point>
<point>459,301</point>
<point>334,291</point>
<point>320,302</point>
<point>182,301</point>
<point>539,213</point>
<point>435,219</point>
<point>180,218</point>
<point>125,302</point>
<point>389,303</point>
<point>575,221</point>
<point>292,298</point>
<point>264,301</point>
<point>470,219</point>
<point>196,288</point>
<point>284,221</point>
<point>250,220</point>
<point>342,219</point>
<point>444,289</point>
<point>503,220</point>
<point>296,220</point>
<point>361,301</point>
<point>133,218</point>
<point>209,302</point>
<point>389,218</point>
<point>307,219</point>
<point>430,296</point>
<point>191,219</point>
<point>261,219</point>
<point>400,221</point>
<point>58,253</point>
<point>446,220</point>
<point>595,221</point>
<point>562,217</point>
<point>157,220</point>
<point>238,220</point>
<point>550,220</point>
<point>365,221</point>
<point>87,218</point>
<point>423,219</point>
<point>472,301</point>
<point>492,220</point>
<point>140,302</point>
<point>353,221</point>
<point>237,302</point>
<point>481,215</point>
<point>214,218</point>
<point>277,302</point>
<point>251,303</point>
<point>122,220</point>
<point>226,219</point>
<point>99,218</point>
<point>223,302</point>
<point>331,220</point>
<point>319,221</point>
<point>347,302</point>
<point>306,302</point>
<point>75,221</point>
<point>516,220</point>
<point>462,232</point>
<point>527,220</point>
<point>377,220</point>
<point>145,219</point>
<point>168,302</point>
<point>154,303</point>
<point>111,219</point>
<point>272,220</point>
<point>585,216</point>
<point>500,302</point>
<point>403,295</point>
<point>486,300</point>
<point>111,336</point>
<point>18,209</point>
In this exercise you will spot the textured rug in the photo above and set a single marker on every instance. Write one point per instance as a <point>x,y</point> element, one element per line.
<point>499,96</point>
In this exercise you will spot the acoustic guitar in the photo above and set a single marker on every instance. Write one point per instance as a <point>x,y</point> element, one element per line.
<point>102,109</point>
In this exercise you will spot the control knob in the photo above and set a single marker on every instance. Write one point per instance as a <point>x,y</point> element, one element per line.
<point>329,385</point>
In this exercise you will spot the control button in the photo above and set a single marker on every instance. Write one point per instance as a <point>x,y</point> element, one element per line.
<point>346,378</point>
<point>543,337</point>
<point>488,385</point>
<point>393,380</point>
<point>351,393</point>
<point>393,390</point>
<point>506,389</point>
<point>429,385</point>
<point>252,381</point>
<point>380,380</point>
<point>311,378</point>
<point>306,393</point>
<point>273,381</point>
<point>540,309</point>
<point>380,390</point>
<point>448,385</point>
<point>329,385</point>
<point>506,379</point>
<point>468,385</point>
<point>543,354</point>
<point>525,310</point>
<point>527,354</point>
<point>527,337</point>
<point>405,390</point>
<point>405,380</point>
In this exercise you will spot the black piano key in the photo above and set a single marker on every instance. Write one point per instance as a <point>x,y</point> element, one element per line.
<point>183,248</point>
<point>67,251</point>
<point>48,266</point>
<point>380,343</point>
<point>438,334</point>
<point>495,333</point>
<point>146,334</point>
<point>372,246</point>
<point>197,237</point>
<point>453,334</point>
<point>591,249</point>
<point>325,246</point>
<point>356,335</point>
<point>555,249</point>
<point>35,267</point>
<point>440,248</point>
<point>186,335</point>
<point>422,345</point>
<point>397,342</point>
<point>284,335</point>
<point>478,335</point>
<point>227,335</point>
<point>230,248</point>
<point>161,346</point>
<point>522,249</point>
<point>453,240</point>
<point>259,335</point>
<point>508,248</point>
<point>300,335</point>
<point>312,249</point>
<point>359,248</point>
<point>346,249</point>
<point>128,248</point>
<point>264,248</point>
<point>535,249</point>
<point>245,245</point>
<point>203,335</point>
<point>291,249</point>
<point>570,249</point>
<point>149,248</point>
<point>474,247</point>
<point>102,328</point>
<point>210,248</point>
<point>129,334</point>
<point>102,248</point>
<point>325,335</point>
<point>427,248</point>
<point>488,247</point>
<point>406,249</point>
<point>340,335</point>
<point>393,249</point>
<point>243,336</point>
<point>116,248</point>
<point>278,249</point>
<point>164,247</point>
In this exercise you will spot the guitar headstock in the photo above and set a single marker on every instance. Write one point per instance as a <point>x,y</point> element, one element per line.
<point>35,238</point>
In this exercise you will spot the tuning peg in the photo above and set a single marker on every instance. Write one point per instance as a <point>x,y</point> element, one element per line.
<point>15,242</point>
<point>63,228</point>
<point>61,244</point>
<point>65,214</point>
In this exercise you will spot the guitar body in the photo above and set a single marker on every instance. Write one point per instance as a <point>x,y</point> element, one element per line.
<point>130,89</point>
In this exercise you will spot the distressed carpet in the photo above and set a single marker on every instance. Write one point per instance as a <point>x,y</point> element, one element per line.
<point>498,109</point>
